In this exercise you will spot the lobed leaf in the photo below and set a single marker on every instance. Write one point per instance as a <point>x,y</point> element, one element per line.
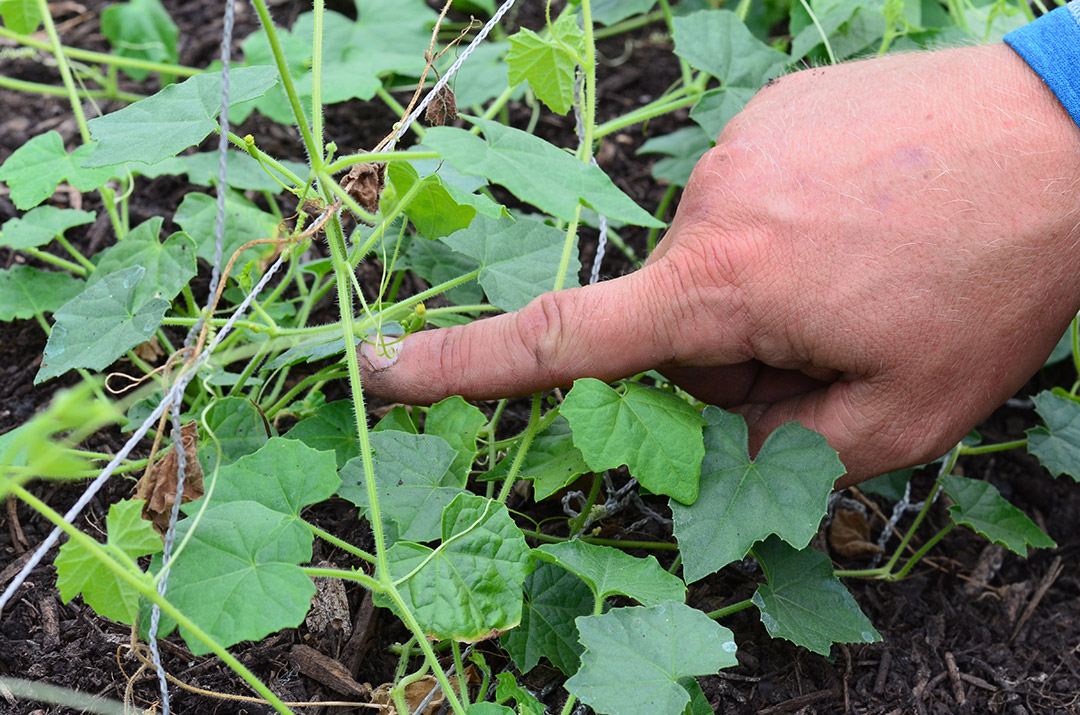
<point>244,221</point>
<point>1057,445</point>
<point>554,597</point>
<point>518,260</point>
<point>535,171</point>
<point>655,434</point>
<point>458,423</point>
<point>169,266</point>
<point>635,657</point>
<point>552,461</point>
<point>100,324</point>
<point>469,587</point>
<point>609,572</point>
<point>414,480</point>
<point>179,116</point>
<point>238,578</point>
<point>803,601</point>
<point>237,428</point>
<point>784,491</point>
<point>979,505</point>
<point>331,429</point>
<point>129,536</point>
<point>548,64</point>
<point>26,292</point>
<point>35,169</point>
<point>40,225</point>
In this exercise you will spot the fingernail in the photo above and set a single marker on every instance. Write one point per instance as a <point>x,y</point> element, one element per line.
<point>381,356</point>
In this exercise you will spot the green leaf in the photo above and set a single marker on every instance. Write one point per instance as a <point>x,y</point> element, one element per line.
<point>804,603</point>
<point>398,419</point>
<point>508,689</point>
<point>438,209</point>
<point>41,225</point>
<point>470,586</point>
<point>437,263</point>
<point>489,709</point>
<point>784,491</point>
<point>141,29</point>
<point>1057,445</point>
<point>551,463</point>
<point>717,42</point>
<point>518,260</point>
<point>244,221</point>
<point>457,422</point>
<point>546,63</point>
<point>26,292</point>
<point>78,571</point>
<point>284,475</point>
<point>414,480</point>
<point>554,597</point>
<point>609,572</point>
<point>34,170</point>
<point>891,486</point>
<point>237,426</point>
<point>655,434</point>
<point>21,16</point>
<point>331,429</point>
<point>716,108</point>
<point>635,657</point>
<point>179,116</point>
<point>391,37</point>
<point>483,77</point>
<point>851,26</point>
<point>609,12</point>
<point>100,324</point>
<point>699,704</point>
<point>169,266</point>
<point>683,148</point>
<point>535,171</point>
<point>238,578</point>
<point>979,505</point>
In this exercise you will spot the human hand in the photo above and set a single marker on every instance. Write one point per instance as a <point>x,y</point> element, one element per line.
<point>883,251</point>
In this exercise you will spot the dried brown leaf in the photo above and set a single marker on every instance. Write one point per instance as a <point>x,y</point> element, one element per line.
<point>365,183</point>
<point>443,107</point>
<point>158,486</point>
<point>849,534</point>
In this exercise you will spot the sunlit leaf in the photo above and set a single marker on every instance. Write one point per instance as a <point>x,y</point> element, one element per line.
<point>35,169</point>
<point>40,225</point>
<point>608,572</point>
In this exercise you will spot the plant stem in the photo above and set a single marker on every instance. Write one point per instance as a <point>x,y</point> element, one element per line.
<point>316,79</point>
<point>523,449</point>
<point>344,162</point>
<point>314,150</point>
<point>56,261</point>
<point>989,448</point>
<point>345,575</point>
<point>628,25</point>
<point>684,66</point>
<point>75,253</point>
<point>459,668</point>
<point>922,552</point>
<point>343,545</point>
<point>728,610</point>
<point>102,57</point>
<point>21,85</point>
<point>650,110</point>
<point>568,249</point>
<point>548,538</point>
<point>947,467</point>
<point>142,585</point>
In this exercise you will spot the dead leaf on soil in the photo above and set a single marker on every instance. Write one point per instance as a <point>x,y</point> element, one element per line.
<point>158,486</point>
<point>150,351</point>
<point>849,534</point>
<point>365,183</point>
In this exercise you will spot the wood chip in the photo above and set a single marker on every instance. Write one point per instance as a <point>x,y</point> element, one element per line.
<point>327,671</point>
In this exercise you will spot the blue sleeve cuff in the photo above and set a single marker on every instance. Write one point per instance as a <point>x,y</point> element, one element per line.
<point>1051,47</point>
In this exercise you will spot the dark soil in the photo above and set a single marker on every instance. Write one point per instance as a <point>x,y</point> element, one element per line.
<point>951,644</point>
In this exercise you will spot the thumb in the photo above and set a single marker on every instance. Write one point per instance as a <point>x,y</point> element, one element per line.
<point>607,331</point>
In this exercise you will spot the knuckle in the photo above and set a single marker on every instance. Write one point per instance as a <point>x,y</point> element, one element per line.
<point>541,327</point>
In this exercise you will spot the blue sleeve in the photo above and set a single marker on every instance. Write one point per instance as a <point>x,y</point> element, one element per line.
<point>1051,47</point>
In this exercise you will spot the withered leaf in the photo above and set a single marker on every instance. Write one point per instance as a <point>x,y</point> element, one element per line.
<point>150,351</point>
<point>365,183</point>
<point>158,486</point>
<point>849,534</point>
<point>443,107</point>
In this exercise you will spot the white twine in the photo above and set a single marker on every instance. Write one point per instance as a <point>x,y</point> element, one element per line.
<point>449,73</point>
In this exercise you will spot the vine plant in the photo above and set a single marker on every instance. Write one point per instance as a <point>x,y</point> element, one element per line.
<point>449,558</point>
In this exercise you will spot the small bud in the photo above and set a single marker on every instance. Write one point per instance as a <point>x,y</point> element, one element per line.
<point>249,140</point>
